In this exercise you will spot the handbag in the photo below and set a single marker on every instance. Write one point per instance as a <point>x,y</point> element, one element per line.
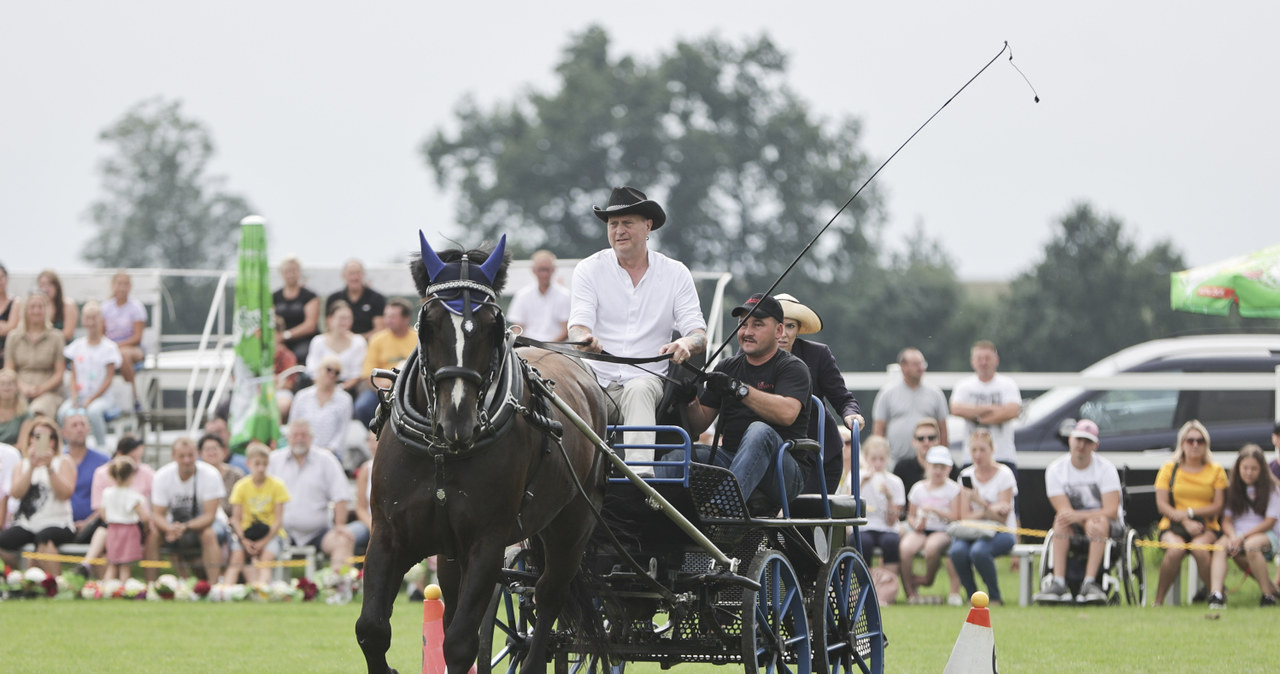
<point>971,530</point>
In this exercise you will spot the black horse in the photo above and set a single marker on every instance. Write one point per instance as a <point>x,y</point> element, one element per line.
<point>468,461</point>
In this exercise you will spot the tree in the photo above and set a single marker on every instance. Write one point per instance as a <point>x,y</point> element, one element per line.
<point>747,175</point>
<point>160,207</point>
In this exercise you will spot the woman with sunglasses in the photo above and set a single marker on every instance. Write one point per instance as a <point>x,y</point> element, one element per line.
<point>326,406</point>
<point>43,484</point>
<point>1190,494</point>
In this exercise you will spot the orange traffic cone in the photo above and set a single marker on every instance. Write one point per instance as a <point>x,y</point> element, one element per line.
<point>975,649</point>
<point>433,632</point>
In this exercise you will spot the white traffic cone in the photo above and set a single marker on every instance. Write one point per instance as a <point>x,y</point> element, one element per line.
<point>975,649</point>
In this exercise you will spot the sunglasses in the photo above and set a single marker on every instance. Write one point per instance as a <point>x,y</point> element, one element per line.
<point>1193,441</point>
<point>926,438</point>
<point>331,370</point>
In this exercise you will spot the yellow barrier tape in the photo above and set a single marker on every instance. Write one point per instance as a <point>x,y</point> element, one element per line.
<point>1044,533</point>
<point>162,564</point>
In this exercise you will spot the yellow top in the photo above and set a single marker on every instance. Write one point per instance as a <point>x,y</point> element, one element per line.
<point>388,351</point>
<point>258,502</point>
<point>1192,490</point>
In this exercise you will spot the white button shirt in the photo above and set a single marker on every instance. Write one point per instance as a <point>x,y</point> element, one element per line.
<point>633,320</point>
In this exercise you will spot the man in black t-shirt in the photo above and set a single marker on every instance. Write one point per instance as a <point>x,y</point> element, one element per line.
<point>366,303</point>
<point>761,397</point>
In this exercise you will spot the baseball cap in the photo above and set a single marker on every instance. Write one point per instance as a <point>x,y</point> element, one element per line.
<point>1086,429</point>
<point>765,307</point>
<point>939,454</point>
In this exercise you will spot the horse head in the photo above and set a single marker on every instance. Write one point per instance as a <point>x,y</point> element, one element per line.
<point>461,332</point>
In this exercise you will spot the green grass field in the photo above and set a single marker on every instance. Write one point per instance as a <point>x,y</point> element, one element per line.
<point>121,636</point>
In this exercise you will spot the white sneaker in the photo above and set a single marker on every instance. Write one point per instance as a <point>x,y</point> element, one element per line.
<point>1055,592</point>
<point>955,600</point>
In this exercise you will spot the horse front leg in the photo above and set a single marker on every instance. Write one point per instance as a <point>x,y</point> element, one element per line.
<point>383,570</point>
<point>480,568</point>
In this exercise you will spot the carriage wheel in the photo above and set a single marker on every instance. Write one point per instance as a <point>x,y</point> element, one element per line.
<point>1046,559</point>
<point>588,664</point>
<point>775,629</point>
<point>509,620</point>
<point>848,636</point>
<point>1134,571</point>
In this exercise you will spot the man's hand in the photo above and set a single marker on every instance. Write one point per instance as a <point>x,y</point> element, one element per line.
<point>683,394</point>
<point>848,421</point>
<point>680,350</point>
<point>723,384</point>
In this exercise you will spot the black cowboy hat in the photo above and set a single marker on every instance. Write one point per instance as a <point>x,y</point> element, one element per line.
<point>625,200</point>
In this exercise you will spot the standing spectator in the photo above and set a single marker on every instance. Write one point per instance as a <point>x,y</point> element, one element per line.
<point>257,503</point>
<point>133,449</point>
<point>931,505</point>
<point>903,402</point>
<point>42,484</point>
<point>986,493</point>
<point>338,340</point>
<point>298,307</point>
<point>124,319</point>
<point>1084,489</point>
<point>75,432</point>
<point>629,300</point>
<point>94,361</point>
<point>10,309</point>
<point>325,406</point>
<point>63,314</point>
<point>186,513</point>
<point>34,352</point>
<point>885,497</point>
<point>214,452</point>
<point>315,481</point>
<point>123,508</point>
<point>13,407</point>
<point>542,311</point>
<point>827,383</point>
<point>366,304</point>
<point>387,350</point>
<point>1190,494</point>
<point>988,399</point>
<point>1248,526</point>
<point>916,467</point>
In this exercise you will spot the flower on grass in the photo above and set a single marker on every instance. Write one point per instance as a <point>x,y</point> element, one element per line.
<point>202,588</point>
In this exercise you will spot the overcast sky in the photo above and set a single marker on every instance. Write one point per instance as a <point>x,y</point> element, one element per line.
<point>1160,113</point>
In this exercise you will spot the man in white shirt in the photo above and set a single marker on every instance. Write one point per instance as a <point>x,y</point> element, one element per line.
<point>315,480</point>
<point>1084,489</point>
<point>186,509</point>
<point>542,310</point>
<point>988,400</point>
<point>628,300</point>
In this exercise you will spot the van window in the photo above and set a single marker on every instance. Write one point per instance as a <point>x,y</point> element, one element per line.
<point>1236,406</point>
<point>1128,411</point>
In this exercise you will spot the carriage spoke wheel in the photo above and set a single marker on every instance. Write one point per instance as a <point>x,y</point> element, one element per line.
<point>509,623</point>
<point>1134,571</point>
<point>848,636</point>
<point>775,629</point>
<point>589,664</point>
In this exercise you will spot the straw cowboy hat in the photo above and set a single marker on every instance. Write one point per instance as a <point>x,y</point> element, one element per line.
<point>626,200</point>
<point>809,320</point>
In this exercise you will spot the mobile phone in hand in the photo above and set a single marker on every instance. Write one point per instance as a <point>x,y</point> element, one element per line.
<point>966,481</point>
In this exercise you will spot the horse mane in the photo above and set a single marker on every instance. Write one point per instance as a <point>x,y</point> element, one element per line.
<point>475,256</point>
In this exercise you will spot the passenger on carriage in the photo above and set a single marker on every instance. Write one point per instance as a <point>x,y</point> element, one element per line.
<point>629,300</point>
<point>761,397</point>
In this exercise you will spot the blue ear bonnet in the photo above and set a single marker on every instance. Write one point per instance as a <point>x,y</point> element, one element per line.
<point>461,276</point>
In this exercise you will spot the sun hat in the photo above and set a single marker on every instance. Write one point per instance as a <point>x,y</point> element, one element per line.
<point>939,454</point>
<point>809,320</point>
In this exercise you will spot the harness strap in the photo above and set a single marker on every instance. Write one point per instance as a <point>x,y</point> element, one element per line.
<point>604,356</point>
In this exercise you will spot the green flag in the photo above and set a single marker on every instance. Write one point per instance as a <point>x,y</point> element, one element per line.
<point>1250,282</point>
<point>254,415</point>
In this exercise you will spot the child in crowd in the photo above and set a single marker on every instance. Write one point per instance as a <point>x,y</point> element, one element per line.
<point>1248,525</point>
<point>257,508</point>
<point>932,503</point>
<point>124,509</point>
<point>885,497</point>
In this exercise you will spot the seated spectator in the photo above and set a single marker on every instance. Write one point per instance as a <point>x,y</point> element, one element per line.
<point>13,407</point>
<point>285,360</point>
<point>827,384</point>
<point>186,512</point>
<point>1084,488</point>
<point>133,449</point>
<point>34,352</point>
<point>215,453</point>
<point>363,526</point>
<point>387,350</point>
<point>339,341</point>
<point>1190,493</point>
<point>298,307</point>
<point>885,497</point>
<point>931,504</point>
<point>10,459</point>
<point>10,310</point>
<point>217,425</point>
<point>63,314</point>
<point>43,484</point>
<point>366,304</point>
<point>987,490</point>
<point>541,310</point>
<point>325,407</point>
<point>94,360</point>
<point>123,509</point>
<point>75,433</point>
<point>257,503</point>
<point>914,469</point>
<point>124,319</point>
<point>1248,526</point>
<point>315,481</point>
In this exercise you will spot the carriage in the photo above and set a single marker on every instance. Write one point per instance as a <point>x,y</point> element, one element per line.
<point>553,549</point>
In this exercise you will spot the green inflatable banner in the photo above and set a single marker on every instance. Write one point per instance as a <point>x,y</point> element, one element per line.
<point>1249,282</point>
<point>254,415</point>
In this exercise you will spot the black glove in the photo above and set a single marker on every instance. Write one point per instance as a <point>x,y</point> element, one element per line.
<point>724,385</point>
<point>683,394</point>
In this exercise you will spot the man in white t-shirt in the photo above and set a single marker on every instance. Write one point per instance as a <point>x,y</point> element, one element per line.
<point>1084,489</point>
<point>988,400</point>
<point>186,508</point>
<point>628,300</point>
<point>315,480</point>
<point>542,310</point>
